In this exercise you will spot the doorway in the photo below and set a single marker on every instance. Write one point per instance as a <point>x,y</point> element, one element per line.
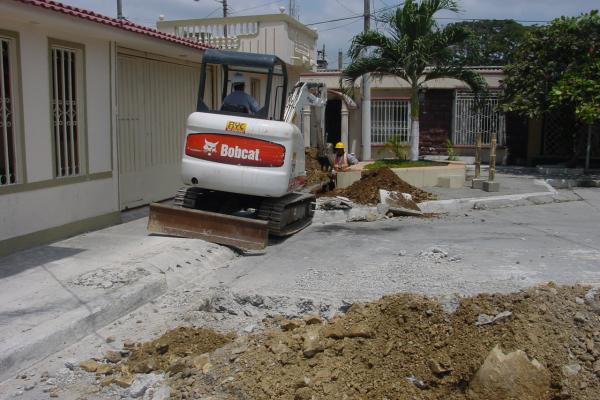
<point>333,121</point>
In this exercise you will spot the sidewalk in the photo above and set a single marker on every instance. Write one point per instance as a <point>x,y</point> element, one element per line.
<point>517,188</point>
<point>52,296</point>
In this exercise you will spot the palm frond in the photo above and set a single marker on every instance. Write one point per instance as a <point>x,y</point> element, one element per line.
<point>366,40</point>
<point>371,65</point>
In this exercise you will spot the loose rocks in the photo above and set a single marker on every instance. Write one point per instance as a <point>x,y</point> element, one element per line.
<point>510,376</point>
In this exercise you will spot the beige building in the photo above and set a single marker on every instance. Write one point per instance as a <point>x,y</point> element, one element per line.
<point>92,116</point>
<point>446,113</point>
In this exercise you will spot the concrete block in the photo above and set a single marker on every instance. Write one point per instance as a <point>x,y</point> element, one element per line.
<point>412,176</point>
<point>451,182</point>
<point>477,183</point>
<point>347,178</point>
<point>491,186</point>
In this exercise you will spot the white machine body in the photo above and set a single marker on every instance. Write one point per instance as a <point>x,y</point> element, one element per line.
<point>243,155</point>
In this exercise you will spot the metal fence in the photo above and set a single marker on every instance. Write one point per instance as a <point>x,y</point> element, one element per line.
<point>8,162</point>
<point>64,107</point>
<point>469,120</point>
<point>390,118</point>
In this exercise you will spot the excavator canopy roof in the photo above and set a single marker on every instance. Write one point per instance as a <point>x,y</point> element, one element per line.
<point>240,59</point>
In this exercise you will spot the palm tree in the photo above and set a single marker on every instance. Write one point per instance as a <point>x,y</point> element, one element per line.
<point>416,50</point>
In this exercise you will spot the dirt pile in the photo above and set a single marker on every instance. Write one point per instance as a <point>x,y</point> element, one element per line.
<point>157,355</point>
<point>314,173</point>
<point>366,190</point>
<point>406,347</point>
<point>164,354</point>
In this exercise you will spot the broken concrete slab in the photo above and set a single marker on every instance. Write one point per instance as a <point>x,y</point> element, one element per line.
<point>400,204</point>
<point>335,203</point>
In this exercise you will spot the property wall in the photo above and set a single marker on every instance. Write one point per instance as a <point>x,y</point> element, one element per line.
<point>42,201</point>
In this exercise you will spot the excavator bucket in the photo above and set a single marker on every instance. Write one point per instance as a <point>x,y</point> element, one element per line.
<point>238,232</point>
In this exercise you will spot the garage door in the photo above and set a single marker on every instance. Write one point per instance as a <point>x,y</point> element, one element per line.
<point>154,99</point>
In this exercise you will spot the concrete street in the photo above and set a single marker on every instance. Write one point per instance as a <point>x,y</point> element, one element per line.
<point>318,270</point>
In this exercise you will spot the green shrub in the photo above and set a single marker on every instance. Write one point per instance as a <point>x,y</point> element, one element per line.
<point>450,149</point>
<point>400,149</point>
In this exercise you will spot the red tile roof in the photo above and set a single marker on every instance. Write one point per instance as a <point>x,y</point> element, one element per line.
<point>114,22</point>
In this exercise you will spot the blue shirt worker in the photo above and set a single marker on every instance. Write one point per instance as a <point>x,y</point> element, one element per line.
<point>239,98</point>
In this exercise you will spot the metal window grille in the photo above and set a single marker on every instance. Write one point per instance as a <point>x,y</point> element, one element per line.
<point>468,121</point>
<point>388,119</point>
<point>8,150</point>
<point>64,107</point>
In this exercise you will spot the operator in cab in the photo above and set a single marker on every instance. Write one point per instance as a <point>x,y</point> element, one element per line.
<point>341,161</point>
<point>239,100</point>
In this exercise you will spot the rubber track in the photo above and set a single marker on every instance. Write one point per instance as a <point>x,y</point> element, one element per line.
<point>273,210</point>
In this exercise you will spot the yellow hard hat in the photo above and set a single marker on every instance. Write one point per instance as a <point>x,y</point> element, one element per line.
<point>339,145</point>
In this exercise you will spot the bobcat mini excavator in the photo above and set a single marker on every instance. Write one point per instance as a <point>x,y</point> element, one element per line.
<point>243,172</point>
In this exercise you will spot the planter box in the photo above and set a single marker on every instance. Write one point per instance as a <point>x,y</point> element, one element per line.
<point>429,176</point>
<point>417,176</point>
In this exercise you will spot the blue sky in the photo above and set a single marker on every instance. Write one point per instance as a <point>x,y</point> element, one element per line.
<point>335,35</point>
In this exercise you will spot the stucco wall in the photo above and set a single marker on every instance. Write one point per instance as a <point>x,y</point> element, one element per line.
<point>42,201</point>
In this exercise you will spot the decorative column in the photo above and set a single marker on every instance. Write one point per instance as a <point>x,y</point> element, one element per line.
<point>345,135</point>
<point>306,125</point>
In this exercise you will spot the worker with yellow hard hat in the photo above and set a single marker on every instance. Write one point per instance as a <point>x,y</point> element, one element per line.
<point>341,161</point>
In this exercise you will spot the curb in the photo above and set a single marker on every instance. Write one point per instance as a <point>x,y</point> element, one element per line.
<point>494,202</point>
<point>72,326</point>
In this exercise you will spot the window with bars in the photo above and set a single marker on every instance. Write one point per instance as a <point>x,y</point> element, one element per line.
<point>468,120</point>
<point>8,135</point>
<point>389,118</point>
<point>65,111</point>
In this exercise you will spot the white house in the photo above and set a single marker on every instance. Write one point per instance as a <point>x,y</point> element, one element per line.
<point>92,115</point>
<point>278,34</point>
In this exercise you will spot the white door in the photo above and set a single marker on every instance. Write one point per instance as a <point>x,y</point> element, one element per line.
<point>154,99</point>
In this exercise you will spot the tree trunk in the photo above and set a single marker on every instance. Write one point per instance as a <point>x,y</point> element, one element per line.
<point>414,127</point>
<point>588,148</point>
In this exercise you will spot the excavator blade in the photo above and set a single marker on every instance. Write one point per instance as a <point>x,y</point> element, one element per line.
<point>238,232</point>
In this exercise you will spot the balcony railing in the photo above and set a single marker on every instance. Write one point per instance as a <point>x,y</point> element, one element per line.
<point>276,34</point>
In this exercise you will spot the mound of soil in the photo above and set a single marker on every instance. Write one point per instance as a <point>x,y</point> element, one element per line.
<point>158,354</point>
<point>314,174</point>
<point>407,347</point>
<point>366,190</point>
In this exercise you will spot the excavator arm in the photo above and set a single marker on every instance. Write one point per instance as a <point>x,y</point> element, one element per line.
<point>311,94</point>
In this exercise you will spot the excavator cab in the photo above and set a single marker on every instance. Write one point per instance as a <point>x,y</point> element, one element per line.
<point>265,78</point>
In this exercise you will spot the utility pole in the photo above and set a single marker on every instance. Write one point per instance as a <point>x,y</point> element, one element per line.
<point>366,89</point>
<point>120,9</point>
<point>225,13</point>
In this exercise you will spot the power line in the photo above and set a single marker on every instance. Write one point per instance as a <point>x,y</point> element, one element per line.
<point>259,6</point>
<point>346,7</point>
<point>352,17</point>
<point>213,11</point>
<point>338,27</point>
<point>334,20</point>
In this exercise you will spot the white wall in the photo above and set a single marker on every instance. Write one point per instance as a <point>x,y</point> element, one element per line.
<point>28,211</point>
